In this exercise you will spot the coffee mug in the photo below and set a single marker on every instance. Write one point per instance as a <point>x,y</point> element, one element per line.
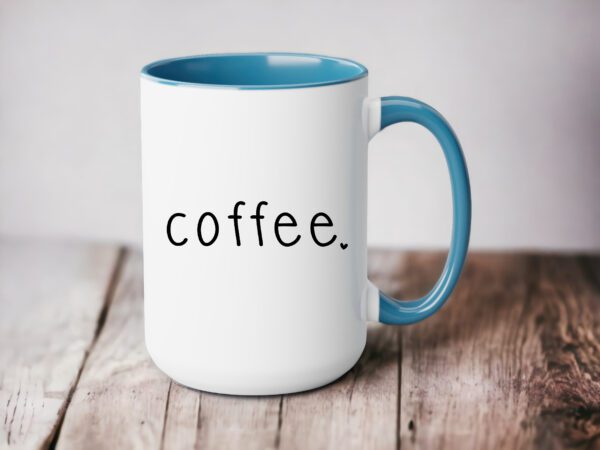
<point>254,216</point>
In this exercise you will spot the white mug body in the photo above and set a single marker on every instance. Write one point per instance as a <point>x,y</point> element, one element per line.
<point>254,174</point>
<point>234,316</point>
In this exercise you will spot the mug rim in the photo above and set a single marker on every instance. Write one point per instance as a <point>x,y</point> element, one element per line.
<point>328,71</point>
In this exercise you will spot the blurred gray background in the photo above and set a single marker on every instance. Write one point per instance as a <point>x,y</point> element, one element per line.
<point>518,80</point>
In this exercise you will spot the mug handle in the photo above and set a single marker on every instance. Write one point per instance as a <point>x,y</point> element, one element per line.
<point>386,111</point>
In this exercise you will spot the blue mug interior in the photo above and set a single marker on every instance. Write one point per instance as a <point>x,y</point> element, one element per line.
<point>255,70</point>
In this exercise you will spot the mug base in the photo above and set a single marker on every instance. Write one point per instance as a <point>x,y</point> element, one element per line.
<point>265,385</point>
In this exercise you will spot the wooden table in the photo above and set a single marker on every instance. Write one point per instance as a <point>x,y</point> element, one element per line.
<point>512,362</point>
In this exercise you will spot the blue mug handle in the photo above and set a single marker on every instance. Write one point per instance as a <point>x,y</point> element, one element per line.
<point>393,110</point>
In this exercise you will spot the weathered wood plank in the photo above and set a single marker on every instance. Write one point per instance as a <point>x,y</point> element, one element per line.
<point>52,297</point>
<point>211,421</point>
<point>512,362</point>
<point>121,396</point>
<point>566,386</point>
<point>455,363</point>
<point>361,409</point>
<point>238,422</point>
<point>181,420</point>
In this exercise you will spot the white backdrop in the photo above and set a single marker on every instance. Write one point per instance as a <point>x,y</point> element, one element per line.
<point>519,81</point>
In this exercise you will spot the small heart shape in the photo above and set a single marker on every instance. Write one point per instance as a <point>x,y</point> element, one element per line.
<point>344,246</point>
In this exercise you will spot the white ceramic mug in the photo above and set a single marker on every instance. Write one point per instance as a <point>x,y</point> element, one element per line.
<point>255,203</point>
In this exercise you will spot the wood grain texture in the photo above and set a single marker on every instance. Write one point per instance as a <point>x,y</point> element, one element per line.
<point>181,418</point>
<point>211,421</point>
<point>238,422</point>
<point>566,386</point>
<point>121,398</point>
<point>512,362</point>
<point>52,297</point>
